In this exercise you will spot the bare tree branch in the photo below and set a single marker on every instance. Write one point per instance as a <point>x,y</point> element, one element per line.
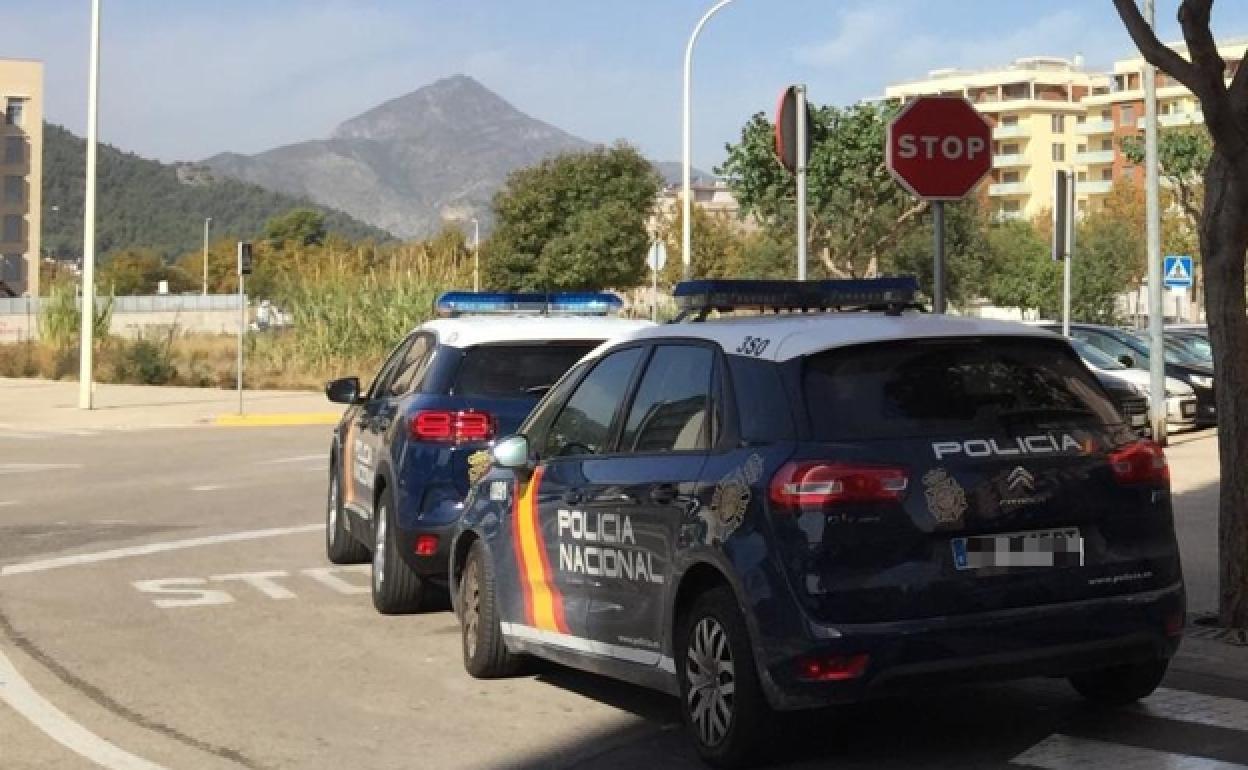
<point>1153,50</point>
<point>1194,18</point>
<point>1238,89</point>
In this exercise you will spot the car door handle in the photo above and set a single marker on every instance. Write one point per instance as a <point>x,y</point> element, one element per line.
<point>663,494</point>
<point>573,496</point>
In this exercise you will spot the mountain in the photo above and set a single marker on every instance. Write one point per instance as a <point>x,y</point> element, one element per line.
<point>145,203</point>
<point>435,155</point>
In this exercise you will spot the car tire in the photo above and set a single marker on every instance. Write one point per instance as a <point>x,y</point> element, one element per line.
<point>1120,685</point>
<point>485,653</point>
<point>341,547</point>
<point>721,698</point>
<point>396,589</point>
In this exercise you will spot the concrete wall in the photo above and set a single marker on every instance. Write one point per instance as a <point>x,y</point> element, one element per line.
<point>132,316</point>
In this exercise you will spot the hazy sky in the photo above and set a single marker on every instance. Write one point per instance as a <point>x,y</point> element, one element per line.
<point>184,79</point>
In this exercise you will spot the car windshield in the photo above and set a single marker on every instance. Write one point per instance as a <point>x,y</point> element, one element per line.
<point>1096,357</point>
<point>1139,341</point>
<point>517,370</point>
<point>946,387</point>
<point>1194,346</point>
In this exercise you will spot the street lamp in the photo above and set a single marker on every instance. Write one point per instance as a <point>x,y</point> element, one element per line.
<point>207,221</point>
<point>476,255</point>
<point>86,336</point>
<point>686,231</point>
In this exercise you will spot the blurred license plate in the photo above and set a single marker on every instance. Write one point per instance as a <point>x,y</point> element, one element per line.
<point>1138,420</point>
<point>1189,409</point>
<point>1041,548</point>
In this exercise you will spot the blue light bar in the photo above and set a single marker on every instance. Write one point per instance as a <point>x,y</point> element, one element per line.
<point>457,303</point>
<point>725,295</point>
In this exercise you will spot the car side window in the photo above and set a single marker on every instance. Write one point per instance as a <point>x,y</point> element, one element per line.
<point>583,426</point>
<point>672,409</point>
<point>411,370</point>
<point>386,373</point>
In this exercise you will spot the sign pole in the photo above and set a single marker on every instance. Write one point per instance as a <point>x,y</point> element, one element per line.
<point>938,261</point>
<point>654,297</point>
<point>802,128</point>
<point>1070,253</point>
<point>242,329</point>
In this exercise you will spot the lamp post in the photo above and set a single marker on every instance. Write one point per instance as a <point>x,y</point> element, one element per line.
<point>686,230</point>
<point>87,331</point>
<point>207,221</point>
<point>476,254</point>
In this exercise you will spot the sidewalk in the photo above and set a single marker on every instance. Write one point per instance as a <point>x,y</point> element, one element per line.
<point>44,404</point>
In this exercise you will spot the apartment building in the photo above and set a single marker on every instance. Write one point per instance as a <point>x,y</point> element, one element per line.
<point>1118,111</point>
<point>21,175</point>
<point>1034,105</point>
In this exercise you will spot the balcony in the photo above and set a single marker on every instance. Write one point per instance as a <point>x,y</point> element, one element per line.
<point>1093,187</point>
<point>1008,188</point>
<point>1010,160</point>
<point>1093,157</point>
<point>1095,127</point>
<point>1011,132</point>
<point>1008,216</point>
<point>1174,119</point>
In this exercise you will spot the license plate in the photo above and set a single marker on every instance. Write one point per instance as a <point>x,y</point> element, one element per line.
<point>1138,420</point>
<point>1041,548</point>
<point>1189,409</point>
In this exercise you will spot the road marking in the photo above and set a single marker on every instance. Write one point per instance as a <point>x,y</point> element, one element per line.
<point>262,582</point>
<point>1182,706</point>
<point>300,459</point>
<point>143,550</point>
<point>328,577</point>
<point>182,587</point>
<point>193,592</point>
<point>1063,752</point>
<point>21,696</point>
<point>11,468</point>
<point>207,488</point>
<point>7,503</point>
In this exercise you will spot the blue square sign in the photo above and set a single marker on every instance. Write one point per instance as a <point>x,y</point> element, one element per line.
<point>1177,272</point>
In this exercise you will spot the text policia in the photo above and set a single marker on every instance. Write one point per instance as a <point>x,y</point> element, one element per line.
<point>603,545</point>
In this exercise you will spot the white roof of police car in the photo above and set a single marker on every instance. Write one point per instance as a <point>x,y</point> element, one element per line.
<point>793,335</point>
<point>466,331</point>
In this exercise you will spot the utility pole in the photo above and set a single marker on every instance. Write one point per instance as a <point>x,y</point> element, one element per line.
<point>87,329</point>
<point>476,254</point>
<point>207,222</point>
<point>1156,309</point>
<point>802,161</point>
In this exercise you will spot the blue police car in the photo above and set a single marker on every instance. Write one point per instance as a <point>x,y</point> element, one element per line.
<point>796,509</point>
<point>402,457</point>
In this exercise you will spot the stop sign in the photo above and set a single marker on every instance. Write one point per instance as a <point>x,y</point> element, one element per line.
<point>939,147</point>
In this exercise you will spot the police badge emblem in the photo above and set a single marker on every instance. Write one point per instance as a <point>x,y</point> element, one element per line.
<point>478,465</point>
<point>730,501</point>
<point>945,497</point>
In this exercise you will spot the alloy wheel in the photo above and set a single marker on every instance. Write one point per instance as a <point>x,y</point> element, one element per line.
<point>712,681</point>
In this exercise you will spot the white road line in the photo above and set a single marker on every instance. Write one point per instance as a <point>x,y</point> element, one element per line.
<point>1183,706</point>
<point>11,468</point>
<point>207,488</point>
<point>1062,752</point>
<point>300,459</point>
<point>143,550</point>
<point>21,696</point>
<point>7,503</point>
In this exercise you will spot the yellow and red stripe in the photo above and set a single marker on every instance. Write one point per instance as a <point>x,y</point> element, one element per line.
<point>543,604</point>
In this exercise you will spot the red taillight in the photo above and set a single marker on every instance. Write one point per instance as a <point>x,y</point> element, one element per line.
<point>800,484</point>
<point>426,545</point>
<point>832,668</point>
<point>1142,462</point>
<point>458,427</point>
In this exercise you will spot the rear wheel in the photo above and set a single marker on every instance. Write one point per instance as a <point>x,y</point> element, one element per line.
<point>396,589</point>
<point>721,699</point>
<point>1120,685</point>
<point>485,653</point>
<point>340,546</point>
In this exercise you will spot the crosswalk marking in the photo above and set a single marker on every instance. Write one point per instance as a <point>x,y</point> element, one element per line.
<point>1183,706</point>
<point>7,469</point>
<point>1063,752</point>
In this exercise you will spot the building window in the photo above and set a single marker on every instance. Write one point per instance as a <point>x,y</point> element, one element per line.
<point>14,189</point>
<point>1009,120</point>
<point>14,149</point>
<point>1107,144</point>
<point>1081,148</point>
<point>1011,206</point>
<point>1126,115</point>
<point>13,269</point>
<point>1009,149</point>
<point>12,229</point>
<point>1082,177</point>
<point>13,114</point>
<point>1010,177</point>
<point>1107,175</point>
<point>1059,152</point>
<point>1059,123</point>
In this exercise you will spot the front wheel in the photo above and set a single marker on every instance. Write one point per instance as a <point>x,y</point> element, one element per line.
<point>396,589</point>
<point>1120,685</point>
<point>721,698</point>
<point>485,654</point>
<point>340,546</point>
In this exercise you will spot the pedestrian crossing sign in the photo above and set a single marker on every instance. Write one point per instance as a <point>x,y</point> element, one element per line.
<point>1178,272</point>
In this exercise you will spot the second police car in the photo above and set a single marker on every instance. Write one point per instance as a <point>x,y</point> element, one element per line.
<point>407,447</point>
<point>793,510</point>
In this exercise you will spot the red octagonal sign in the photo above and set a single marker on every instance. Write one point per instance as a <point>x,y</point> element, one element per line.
<point>939,147</point>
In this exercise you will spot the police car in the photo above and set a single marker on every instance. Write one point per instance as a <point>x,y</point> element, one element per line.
<point>404,453</point>
<point>796,509</point>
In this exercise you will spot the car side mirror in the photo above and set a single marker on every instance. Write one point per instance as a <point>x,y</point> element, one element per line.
<point>513,453</point>
<point>344,391</point>
<point>1126,361</point>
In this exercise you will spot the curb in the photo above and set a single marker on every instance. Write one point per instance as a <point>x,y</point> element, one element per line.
<point>276,420</point>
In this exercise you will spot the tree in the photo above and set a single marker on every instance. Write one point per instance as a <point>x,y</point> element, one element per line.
<point>140,271</point>
<point>576,221</point>
<point>299,227</point>
<point>968,256</point>
<point>1023,273</point>
<point>1223,243</point>
<point>725,248</point>
<point>857,213</point>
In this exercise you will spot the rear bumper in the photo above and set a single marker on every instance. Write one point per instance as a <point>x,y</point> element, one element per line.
<point>1052,640</point>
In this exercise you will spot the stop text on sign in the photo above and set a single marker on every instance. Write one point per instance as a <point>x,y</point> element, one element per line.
<point>910,146</point>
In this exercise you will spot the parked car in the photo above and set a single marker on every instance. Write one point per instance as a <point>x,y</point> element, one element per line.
<point>1117,378</point>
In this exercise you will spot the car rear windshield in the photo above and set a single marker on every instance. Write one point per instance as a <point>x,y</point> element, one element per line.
<point>515,370</point>
<point>949,386</point>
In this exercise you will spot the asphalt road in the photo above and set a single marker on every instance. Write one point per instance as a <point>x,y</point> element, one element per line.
<point>165,602</point>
